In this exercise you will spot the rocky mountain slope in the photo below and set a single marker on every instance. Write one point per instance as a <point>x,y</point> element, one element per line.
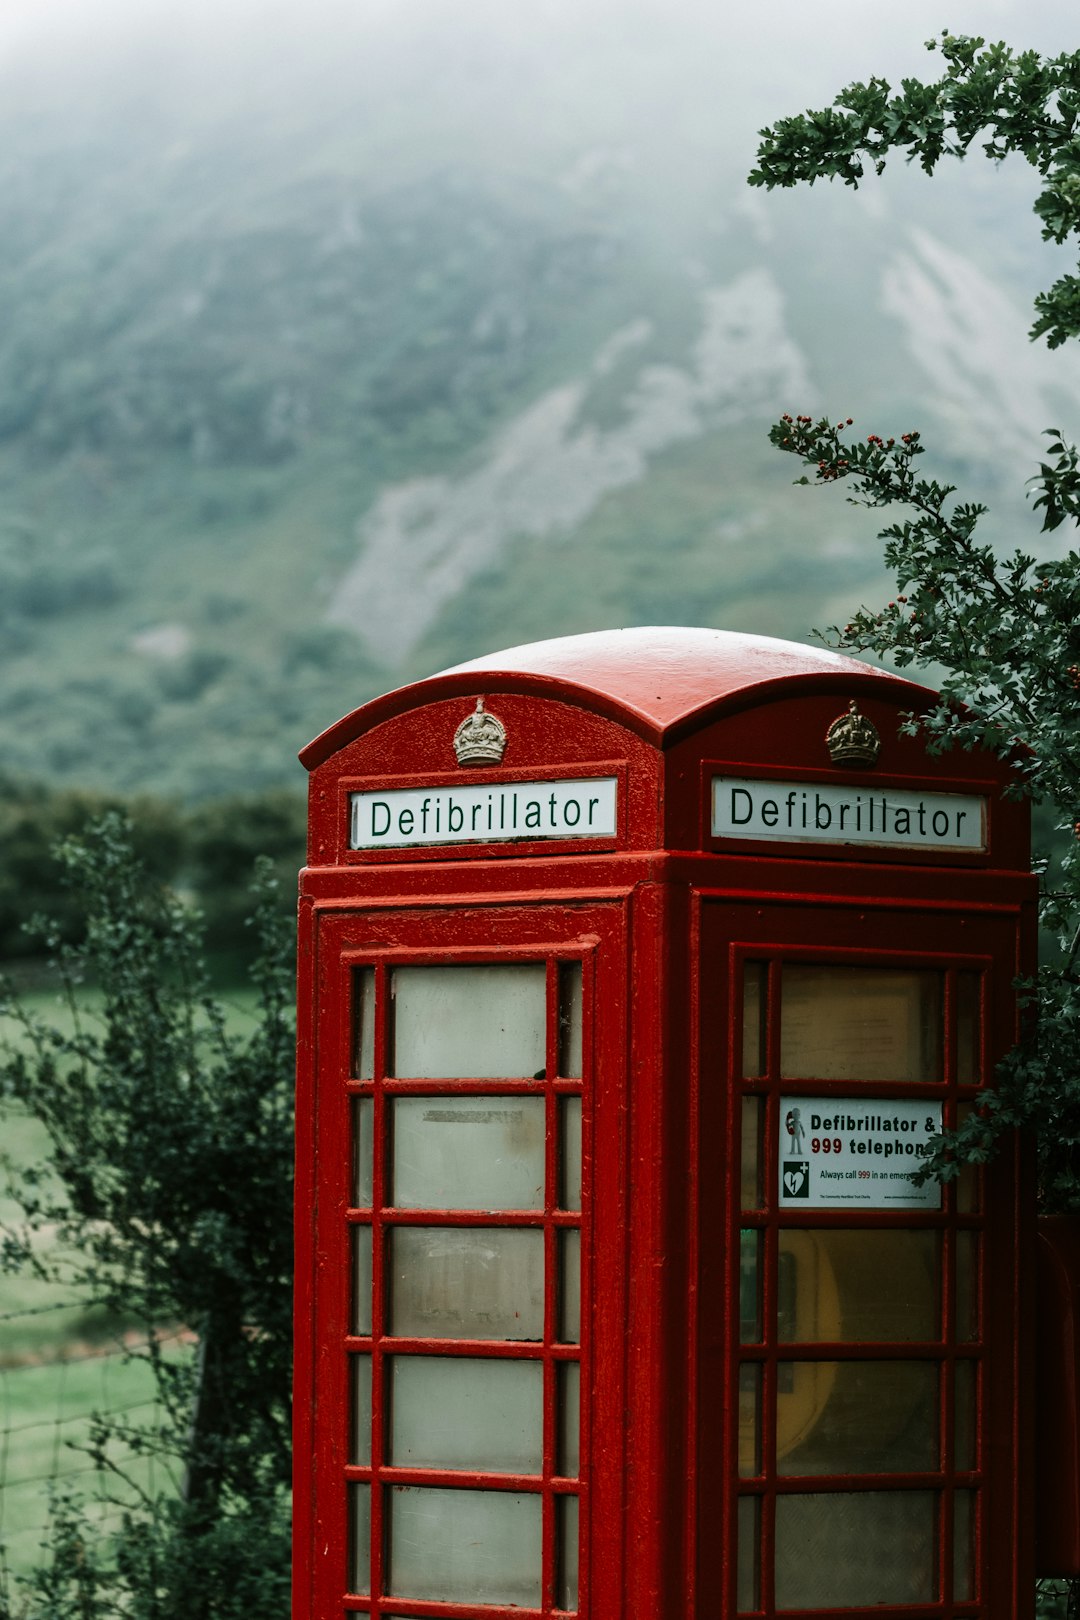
<point>301,397</point>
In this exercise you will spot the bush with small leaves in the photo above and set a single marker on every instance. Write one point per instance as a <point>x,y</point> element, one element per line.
<point>1006,630</point>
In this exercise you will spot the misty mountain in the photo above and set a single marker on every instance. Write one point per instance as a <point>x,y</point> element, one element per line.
<point>305,390</point>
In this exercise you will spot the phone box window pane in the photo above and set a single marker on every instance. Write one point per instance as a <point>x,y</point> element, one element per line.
<point>468,1152</point>
<point>361,1271</point>
<point>465,1546</point>
<point>363,1041</point>
<point>749,1420</point>
<point>464,1412</point>
<point>360,1411</point>
<point>467,1283</point>
<point>566,1519</point>
<point>856,1417</point>
<point>570,1286</point>
<point>964,1545</point>
<point>969,1181</point>
<point>569,1459</point>
<point>486,1022</point>
<point>570,1153</point>
<point>966,1410</point>
<point>967,1287</point>
<point>753,1030</point>
<point>837,1286</point>
<point>359,1576</point>
<point>968,1029</point>
<point>751,1178</point>
<point>850,1023</point>
<point>363,1160</point>
<point>748,1578</point>
<point>854,1549</point>
<point>750,1286</point>
<point>570,1020</point>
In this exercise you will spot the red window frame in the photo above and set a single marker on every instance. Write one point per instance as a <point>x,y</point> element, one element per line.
<point>380,1476</point>
<point>770,1218</point>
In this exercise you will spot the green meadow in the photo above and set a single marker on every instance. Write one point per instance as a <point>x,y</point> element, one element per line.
<point>64,1361</point>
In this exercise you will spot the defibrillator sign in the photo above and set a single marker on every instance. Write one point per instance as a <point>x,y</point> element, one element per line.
<point>836,1151</point>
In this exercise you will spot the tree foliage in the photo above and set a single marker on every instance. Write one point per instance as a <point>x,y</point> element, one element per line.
<point>1006,630</point>
<point>34,822</point>
<point>1016,101</point>
<point>207,851</point>
<point>169,1199</point>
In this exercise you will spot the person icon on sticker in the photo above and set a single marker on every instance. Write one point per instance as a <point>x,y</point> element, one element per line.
<point>793,1123</point>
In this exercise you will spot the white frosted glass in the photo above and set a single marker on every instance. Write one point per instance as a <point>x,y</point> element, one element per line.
<point>967,1286</point>
<point>855,1023</point>
<point>569,1152</point>
<point>464,1412</point>
<point>363,1122</point>
<point>968,1030</point>
<point>465,1546</point>
<point>965,1409</point>
<point>570,1286</point>
<point>363,1044</point>
<point>750,1419</point>
<point>570,1020</point>
<point>569,1462</point>
<point>360,1401</point>
<point>753,1028</point>
<point>858,1283</point>
<point>750,1248</point>
<point>467,1282</point>
<point>359,1539</point>
<point>752,1182</point>
<point>567,1522</point>
<point>969,1180</point>
<point>748,1578</point>
<point>486,1022</point>
<point>469,1153</point>
<point>857,1417</point>
<point>854,1549</point>
<point>361,1269</point>
<point>963,1545</point>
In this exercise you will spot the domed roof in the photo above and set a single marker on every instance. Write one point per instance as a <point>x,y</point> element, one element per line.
<point>655,678</point>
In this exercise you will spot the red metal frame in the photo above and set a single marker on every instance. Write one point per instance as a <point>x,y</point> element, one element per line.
<point>775,934</point>
<point>661,916</point>
<point>556,937</point>
<point>384,1218</point>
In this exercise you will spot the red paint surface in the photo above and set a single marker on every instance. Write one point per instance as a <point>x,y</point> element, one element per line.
<point>660,914</point>
<point>657,679</point>
<point>1057,1392</point>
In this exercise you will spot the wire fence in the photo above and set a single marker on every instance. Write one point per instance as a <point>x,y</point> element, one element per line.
<point>55,1403</point>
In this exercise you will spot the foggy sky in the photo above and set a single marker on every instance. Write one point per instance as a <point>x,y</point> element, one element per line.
<point>669,92</point>
<point>657,59</point>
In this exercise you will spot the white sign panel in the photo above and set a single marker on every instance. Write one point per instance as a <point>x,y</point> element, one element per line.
<point>838,1151</point>
<point>832,813</point>
<point>586,807</point>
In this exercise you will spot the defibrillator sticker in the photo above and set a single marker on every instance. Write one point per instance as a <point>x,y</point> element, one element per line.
<point>836,1151</point>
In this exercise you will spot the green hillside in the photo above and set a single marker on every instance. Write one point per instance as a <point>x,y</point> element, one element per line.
<point>304,398</point>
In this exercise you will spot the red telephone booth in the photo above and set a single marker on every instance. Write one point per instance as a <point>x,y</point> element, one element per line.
<point>637,971</point>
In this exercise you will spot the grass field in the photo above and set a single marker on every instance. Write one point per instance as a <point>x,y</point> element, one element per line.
<point>46,1412</point>
<point>63,1360</point>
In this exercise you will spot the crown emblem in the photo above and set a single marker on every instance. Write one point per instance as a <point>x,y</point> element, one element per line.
<point>852,739</point>
<point>480,739</point>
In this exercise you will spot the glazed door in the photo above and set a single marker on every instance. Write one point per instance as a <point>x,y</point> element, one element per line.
<point>459,1114</point>
<point>869,1353</point>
